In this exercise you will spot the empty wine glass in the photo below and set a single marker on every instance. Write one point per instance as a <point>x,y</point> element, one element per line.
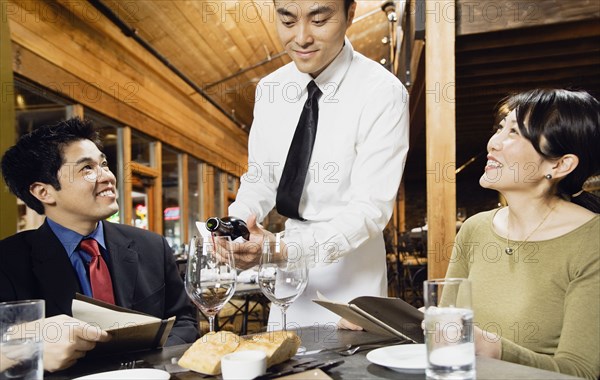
<point>282,274</point>
<point>210,274</point>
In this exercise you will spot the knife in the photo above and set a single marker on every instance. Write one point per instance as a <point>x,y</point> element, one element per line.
<point>320,365</point>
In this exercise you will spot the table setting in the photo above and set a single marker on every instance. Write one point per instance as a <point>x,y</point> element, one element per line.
<point>318,351</point>
<point>326,340</point>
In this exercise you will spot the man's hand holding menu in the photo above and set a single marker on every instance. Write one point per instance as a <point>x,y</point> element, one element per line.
<point>129,330</point>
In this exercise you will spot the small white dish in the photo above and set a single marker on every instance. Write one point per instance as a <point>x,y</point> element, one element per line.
<point>244,365</point>
<point>408,358</point>
<point>129,374</point>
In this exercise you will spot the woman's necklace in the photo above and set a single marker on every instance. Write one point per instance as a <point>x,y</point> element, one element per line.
<point>508,250</point>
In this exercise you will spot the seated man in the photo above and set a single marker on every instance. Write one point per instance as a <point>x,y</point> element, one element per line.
<point>59,171</point>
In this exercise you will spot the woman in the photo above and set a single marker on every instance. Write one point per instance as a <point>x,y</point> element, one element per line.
<point>535,264</point>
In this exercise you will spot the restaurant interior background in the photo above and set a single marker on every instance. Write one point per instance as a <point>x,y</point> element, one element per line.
<point>171,84</point>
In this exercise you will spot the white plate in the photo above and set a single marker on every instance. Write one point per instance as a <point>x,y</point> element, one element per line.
<point>410,358</point>
<point>129,374</point>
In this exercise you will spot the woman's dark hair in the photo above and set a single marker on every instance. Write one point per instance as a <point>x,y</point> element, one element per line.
<point>38,156</point>
<point>559,122</point>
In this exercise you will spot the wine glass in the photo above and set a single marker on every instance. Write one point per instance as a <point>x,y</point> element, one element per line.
<point>210,274</point>
<point>282,274</point>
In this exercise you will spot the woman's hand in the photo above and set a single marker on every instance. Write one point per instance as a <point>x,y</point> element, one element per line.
<point>344,324</point>
<point>487,343</point>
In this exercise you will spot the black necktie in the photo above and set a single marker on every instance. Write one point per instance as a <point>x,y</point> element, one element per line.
<point>296,164</point>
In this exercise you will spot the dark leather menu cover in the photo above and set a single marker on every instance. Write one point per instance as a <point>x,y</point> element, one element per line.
<point>129,330</point>
<point>381,315</point>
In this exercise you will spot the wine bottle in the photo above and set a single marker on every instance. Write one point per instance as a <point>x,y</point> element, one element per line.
<point>228,226</point>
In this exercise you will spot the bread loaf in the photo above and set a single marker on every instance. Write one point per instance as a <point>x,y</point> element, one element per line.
<point>205,354</point>
<point>278,345</point>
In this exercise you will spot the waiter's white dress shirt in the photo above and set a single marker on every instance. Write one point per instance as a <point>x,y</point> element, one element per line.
<point>353,178</point>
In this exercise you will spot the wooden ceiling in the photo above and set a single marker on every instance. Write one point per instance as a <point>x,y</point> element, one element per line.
<point>225,47</point>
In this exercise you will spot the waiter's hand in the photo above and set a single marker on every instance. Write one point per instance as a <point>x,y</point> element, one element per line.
<point>248,254</point>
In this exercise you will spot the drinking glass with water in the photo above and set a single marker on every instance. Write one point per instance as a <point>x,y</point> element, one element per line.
<point>449,329</point>
<point>21,343</point>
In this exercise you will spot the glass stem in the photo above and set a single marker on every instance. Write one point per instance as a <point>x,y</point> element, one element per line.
<point>283,319</point>
<point>211,323</point>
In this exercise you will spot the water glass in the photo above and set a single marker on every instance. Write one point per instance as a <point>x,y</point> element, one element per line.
<point>449,329</point>
<point>283,274</point>
<point>21,341</point>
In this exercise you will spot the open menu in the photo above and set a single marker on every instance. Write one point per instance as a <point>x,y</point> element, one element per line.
<point>129,330</point>
<point>380,315</point>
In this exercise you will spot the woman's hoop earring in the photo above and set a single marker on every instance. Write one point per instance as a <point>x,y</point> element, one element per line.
<point>548,176</point>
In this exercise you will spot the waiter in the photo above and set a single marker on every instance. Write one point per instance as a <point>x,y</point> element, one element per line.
<point>327,148</point>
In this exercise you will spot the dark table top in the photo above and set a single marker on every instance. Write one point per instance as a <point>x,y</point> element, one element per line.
<point>353,367</point>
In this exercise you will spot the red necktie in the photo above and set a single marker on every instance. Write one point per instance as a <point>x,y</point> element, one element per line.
<point>102,288</point>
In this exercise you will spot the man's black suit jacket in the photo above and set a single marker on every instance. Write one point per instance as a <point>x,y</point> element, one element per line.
<point>35,265</point>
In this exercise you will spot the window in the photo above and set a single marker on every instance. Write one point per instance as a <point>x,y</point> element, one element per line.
<point>35,107</point>
<point>171,197</point>
<point>195,195</point>
<point>141,149</point>
<point>111,147</point>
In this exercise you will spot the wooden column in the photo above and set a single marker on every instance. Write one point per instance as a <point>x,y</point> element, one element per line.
<point>208,191</point>
<point>440,32</point>
<point>125,175</point>
<point>184,197</point>
<point>8,202</point>
<point>401,224</point>
<point>157,213</point>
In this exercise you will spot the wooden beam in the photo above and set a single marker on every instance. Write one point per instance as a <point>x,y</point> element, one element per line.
<point>515,37</point>
<point>440,134</point>
<point>564,61</point>
<point>539,50</point>
<point>491,15</point>
<point>43,72</point>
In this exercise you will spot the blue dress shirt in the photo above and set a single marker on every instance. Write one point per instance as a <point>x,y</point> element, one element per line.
<point>79,258</point>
